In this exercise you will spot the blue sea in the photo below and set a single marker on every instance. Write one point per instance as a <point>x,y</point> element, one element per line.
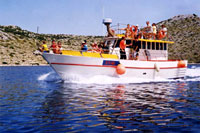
<point>35,99</point>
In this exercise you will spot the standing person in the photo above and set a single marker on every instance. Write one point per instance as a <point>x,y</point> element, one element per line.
<point>135,31</point>
<point>162,33</point>
<point>129,31</point>
<point>147,30</point>
<point>154,30</point>
<point>122,46</point>
<point>84,46</point>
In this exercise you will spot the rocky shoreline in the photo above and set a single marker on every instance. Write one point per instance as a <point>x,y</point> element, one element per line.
<point>17,45</point>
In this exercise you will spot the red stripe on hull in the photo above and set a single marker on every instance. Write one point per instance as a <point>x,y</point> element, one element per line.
<point>113,66</point>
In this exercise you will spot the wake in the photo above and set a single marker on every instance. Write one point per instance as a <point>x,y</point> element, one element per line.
<point>192,74</point>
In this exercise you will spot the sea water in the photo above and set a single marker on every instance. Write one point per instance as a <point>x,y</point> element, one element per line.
<point>35,99</point>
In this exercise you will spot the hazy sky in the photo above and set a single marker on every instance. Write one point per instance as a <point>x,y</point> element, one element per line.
<point>84,17</point>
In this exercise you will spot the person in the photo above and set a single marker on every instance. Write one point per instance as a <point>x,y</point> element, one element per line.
<point>59,45</point>
<point>105,47</point>
<point>147,30</point>
<point>136,56</point>
<point>44,47</point>
<point>99,50</point>
<point>134,51</point>
<point>94,47</point>
<point>54,47</point>
<point>84,46</point>
<point>111,32</point>
<point>135,32</point>
<point>162,33</point>
<point>122,46</point>
<point>147,53</point>
<point>128,31</point>
<point>154,29</point>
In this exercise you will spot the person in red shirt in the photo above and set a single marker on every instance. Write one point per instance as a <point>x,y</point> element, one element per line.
<point>55,48</point>
<point>122,46</point>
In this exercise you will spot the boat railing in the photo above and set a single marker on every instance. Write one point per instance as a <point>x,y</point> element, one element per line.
<point>119,32</point>
<point>89,54</point>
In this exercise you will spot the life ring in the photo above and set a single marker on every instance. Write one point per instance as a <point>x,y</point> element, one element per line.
<point>120,69</point>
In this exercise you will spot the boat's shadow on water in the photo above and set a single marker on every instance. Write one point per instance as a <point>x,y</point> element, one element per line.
<point>120,107</point>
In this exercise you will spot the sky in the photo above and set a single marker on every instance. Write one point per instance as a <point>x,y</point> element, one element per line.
<point>84,17</point>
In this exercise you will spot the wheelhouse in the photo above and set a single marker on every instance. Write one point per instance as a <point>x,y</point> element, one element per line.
<point>146,49</point>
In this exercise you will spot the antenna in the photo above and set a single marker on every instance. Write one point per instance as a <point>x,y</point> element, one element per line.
<point>103,18</point>
<point>37,29</point>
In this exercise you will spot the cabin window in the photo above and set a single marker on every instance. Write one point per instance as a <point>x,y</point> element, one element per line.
<point>157,46</point>
<point>165,46</point>
<point>153,45</point>
<point>143,45</point>
<point>148,45</point>
<point>161,46</point>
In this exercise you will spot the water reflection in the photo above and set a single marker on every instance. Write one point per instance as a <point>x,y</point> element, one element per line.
<point>133,107</point>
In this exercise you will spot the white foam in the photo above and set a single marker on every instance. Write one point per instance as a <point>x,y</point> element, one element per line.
<point>44,76</point>
<point>102,79</point>
<point>192,74</point>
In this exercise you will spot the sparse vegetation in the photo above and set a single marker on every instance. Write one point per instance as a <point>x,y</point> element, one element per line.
<point>20,44</point>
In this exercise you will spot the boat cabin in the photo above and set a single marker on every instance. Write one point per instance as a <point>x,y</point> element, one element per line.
<point>146,49</point>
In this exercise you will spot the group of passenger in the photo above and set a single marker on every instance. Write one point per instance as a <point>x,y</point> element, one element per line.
<point>55,47</point>
<point>96,48</point>
<point>148,32</point>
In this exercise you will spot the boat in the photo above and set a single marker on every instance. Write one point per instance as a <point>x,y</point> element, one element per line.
<point>152,61</point>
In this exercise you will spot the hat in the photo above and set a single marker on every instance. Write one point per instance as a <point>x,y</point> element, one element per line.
<point>137,25</point>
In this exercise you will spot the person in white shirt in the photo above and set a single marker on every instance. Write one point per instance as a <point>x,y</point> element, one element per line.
<point>154,30</point>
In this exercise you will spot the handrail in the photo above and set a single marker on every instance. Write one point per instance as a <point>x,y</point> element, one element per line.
<point>118,30</point>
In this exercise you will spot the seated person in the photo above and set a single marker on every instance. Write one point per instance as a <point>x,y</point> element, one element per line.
<point>84,46</point>
<point>44,47</point>
<point>54,47</point>
<point>99,50</point>
<point>94,47</point>
<point>162,33</point>
<point>105,47</point>
<point>60,45</point>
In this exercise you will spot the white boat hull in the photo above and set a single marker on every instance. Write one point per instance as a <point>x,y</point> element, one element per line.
<point>66,65</point>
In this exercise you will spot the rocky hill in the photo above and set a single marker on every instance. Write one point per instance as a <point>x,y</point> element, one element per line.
<point>184,30</point>
<point>17,45</point>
